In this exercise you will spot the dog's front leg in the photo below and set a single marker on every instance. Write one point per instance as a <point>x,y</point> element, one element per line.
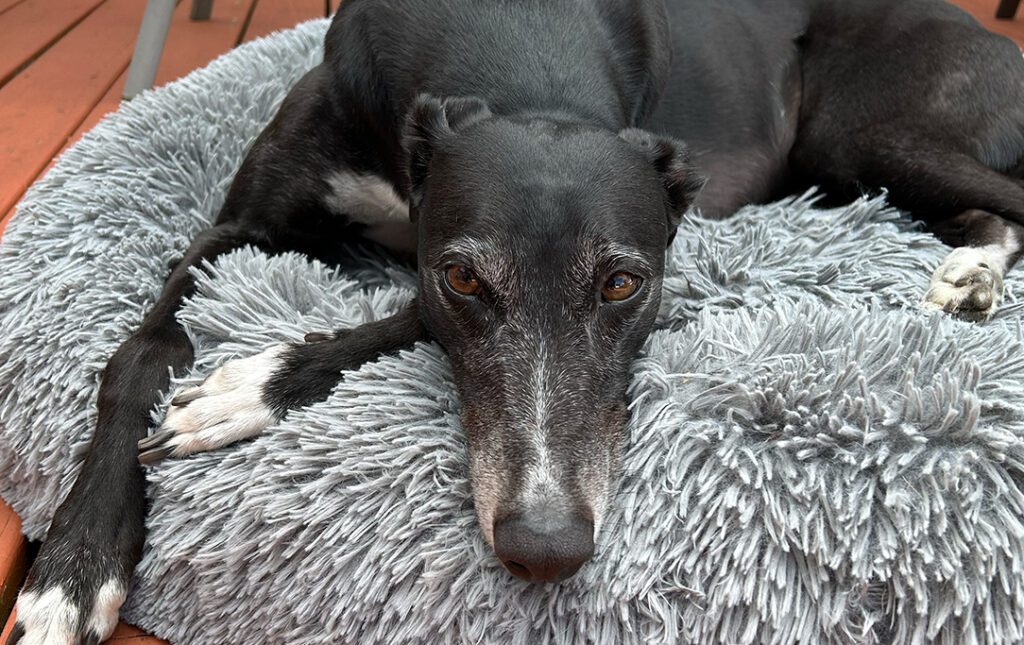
<point>80,577</point>
<point>244,397</point>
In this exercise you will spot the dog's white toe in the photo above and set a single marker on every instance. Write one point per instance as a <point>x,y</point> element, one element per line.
<point>226,408</point>
<point>968,283</point>
<point>102,618</point>
<point>47,618</point>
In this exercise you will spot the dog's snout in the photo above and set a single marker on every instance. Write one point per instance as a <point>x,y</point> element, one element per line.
<point>540,548</point>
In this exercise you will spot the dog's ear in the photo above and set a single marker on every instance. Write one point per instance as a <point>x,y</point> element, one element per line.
<point>430,121</point>
<point>671,160</point>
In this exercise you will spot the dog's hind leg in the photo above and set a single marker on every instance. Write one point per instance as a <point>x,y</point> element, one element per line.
<point>967,204</point>
<point>969,282</point>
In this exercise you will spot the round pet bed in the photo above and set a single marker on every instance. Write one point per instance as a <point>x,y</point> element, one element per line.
<point>812,458</point>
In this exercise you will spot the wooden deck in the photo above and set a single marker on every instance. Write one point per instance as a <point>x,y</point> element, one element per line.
<point>985,11</point>
<point>63,67</point>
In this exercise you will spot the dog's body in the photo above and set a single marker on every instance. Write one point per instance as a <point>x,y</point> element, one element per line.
<point>540,215</point>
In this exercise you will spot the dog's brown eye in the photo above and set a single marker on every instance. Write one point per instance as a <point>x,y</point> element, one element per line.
<point>620,286</point>
<point>462,280</point>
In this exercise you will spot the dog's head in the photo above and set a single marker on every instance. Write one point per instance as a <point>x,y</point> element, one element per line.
<point>541,253</point>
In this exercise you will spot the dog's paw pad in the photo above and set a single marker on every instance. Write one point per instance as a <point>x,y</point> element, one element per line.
<point>967,284</point>
<point>226,408</point>
<point>50,617</point>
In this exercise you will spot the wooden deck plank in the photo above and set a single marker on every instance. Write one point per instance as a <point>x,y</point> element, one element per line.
<point>8,626</point>
<point>194,43</point>
<point>985,12</point>
<point>177,55</point>
<point>32,26</point>
<point>190,44</point>
<point>13,563</point>
<point>44,104</point>
<point>125,634</point>
<point>7,4</point>
<point>274,15</point>
<point>109,102</point>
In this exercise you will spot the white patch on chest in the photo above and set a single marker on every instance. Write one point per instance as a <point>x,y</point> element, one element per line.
<point>373,202</point>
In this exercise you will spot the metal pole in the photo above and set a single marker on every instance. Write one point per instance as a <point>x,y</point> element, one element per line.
<point>149,46</point>
<point>1007,9</point>
<point>201,9</point>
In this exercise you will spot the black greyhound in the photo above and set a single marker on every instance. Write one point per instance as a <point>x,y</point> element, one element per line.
<point>499,140</point>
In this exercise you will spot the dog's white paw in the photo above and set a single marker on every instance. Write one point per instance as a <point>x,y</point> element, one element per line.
<point>45,618</point>
<point>969,283</point>
<point>226,408</point>
<point>49,617</point>
<point>102,618</point>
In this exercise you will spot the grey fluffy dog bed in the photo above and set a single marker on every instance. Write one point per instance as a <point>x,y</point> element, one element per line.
<point>812,458</point>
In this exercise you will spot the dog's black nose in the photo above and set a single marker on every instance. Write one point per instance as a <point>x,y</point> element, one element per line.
<point>543,548</point>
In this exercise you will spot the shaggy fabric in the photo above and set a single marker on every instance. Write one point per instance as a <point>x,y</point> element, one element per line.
<point>812,458</point>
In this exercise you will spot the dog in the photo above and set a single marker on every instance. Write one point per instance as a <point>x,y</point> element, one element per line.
<point>531,154</point>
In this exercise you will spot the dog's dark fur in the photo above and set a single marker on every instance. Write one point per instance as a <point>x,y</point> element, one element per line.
<point>507,130</point>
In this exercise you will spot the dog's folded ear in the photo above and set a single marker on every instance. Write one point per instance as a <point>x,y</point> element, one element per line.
<point>671,160</point>
<point>430,121</point>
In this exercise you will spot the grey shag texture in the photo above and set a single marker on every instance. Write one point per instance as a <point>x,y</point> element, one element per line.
<point>811,458</point>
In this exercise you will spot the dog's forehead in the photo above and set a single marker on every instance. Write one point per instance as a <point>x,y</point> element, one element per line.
<point>562,237</point>
<point>544,188</point>
<point>539,161</point>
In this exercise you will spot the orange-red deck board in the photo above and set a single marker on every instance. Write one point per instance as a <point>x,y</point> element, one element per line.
<point>32,26</point>
<point>268,17</point>
<point>12,558</point>
<point>190,44</point>
<point>985,12</point>
<point>7,4</point>
<point>194,43</point>
<point>43,105</point>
